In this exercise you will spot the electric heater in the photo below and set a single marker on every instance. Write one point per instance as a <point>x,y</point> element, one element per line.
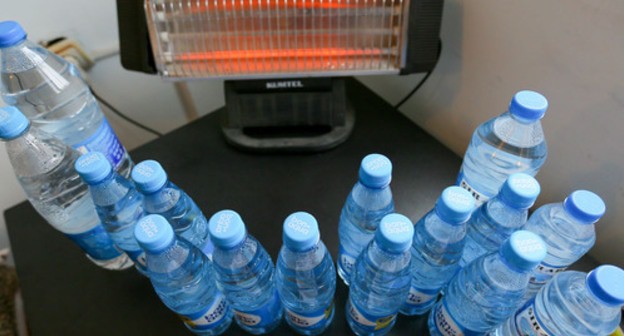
<point>283,60</point>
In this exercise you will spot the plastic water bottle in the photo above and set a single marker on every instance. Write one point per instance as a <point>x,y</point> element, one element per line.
<point>499,217</point>
<point>381,278</point>
<point>183,277</point>
<point>436,249</point>
<point>568,230</point>
<point>369,201</point>
<point>52,94</point>
<point>118,204</point>
<point>510,143</point>
<point>305,276</point>
<point>488,291</point>
<point>44,167</point>
<point>245,274</point>
<point>166,199</point>
<point>572,304</point>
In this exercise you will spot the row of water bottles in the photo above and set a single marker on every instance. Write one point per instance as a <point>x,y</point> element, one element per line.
<point>488,262</point>
<point>491,261</point>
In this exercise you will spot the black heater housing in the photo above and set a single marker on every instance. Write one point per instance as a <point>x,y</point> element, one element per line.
<point>287,114</point>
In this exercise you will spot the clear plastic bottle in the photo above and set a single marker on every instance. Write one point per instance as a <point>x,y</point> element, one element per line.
<point>489,290</point>
<point>436,248</point>
<point>118,204</point>
<point>164,198</point>
<point>381,278</point>
<point>499,217</point>
<point>369,201</point>
<point>183,277</point>
<point>510,143</point>
<point>568,230</point>
<point>245,274</point>
<point>572,304</point>
<point>305,276</point>
<point>53,95</point>
<point>44,167</point>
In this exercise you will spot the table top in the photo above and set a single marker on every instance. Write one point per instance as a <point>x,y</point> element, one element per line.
<point>65,294</point>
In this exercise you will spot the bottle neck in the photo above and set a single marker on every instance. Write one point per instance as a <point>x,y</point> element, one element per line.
<point>510,266</point>
<point>34,153</point>
<point>501,202</point>
<point>110,190</point>
<point>571,218</point>
<point>522,120</point>
<point>21,57</point>
<point>444,219</point>
<point>18,136</point>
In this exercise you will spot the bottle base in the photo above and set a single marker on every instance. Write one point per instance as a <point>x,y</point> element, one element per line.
<point>264,330</point>
<point>117,264</point>
<point>225,325</point>
<point>314,332</point>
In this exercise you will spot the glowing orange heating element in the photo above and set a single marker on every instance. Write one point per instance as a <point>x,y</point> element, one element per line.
<point>231,38</point>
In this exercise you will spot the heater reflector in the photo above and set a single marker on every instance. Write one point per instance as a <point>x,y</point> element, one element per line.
<point>277,38</point>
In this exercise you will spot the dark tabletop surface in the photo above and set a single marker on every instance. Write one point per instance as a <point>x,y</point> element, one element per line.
<point>65,294</point>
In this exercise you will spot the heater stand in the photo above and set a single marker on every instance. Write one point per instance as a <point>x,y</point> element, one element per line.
<point>287,115</point>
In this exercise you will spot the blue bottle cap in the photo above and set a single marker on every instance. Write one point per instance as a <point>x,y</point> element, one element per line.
<point>585,206</point>
<point>520,191</point>
<point>12,122</point>
<point>524,250</point>
<point>301,231</point>
<point>93,167</point>
<point>455,205</point>
<point>375,171</point>
<point>11,33</point>
<point>395,233</point>
<point>149,176</point>
<point>154,233</point>
<point>226,229</point>
<point>528,105</point>
<point>607,283</point>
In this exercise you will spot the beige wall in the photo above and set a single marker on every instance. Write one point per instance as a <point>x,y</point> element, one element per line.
<point>570,50</point>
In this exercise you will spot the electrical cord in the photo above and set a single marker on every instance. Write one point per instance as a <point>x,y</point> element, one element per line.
<point>422,81</point>
<point>123,116</point>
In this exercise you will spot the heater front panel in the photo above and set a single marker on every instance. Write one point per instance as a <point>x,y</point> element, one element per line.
<point>276,38</point>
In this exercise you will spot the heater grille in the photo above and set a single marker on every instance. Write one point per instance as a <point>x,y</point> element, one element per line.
<point>277,38</point>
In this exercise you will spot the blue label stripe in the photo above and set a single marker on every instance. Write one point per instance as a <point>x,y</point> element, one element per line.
<point>262,316</point>
<point>369,322</point>
<point>310,320</point>
<point>447,325</point>
<point>96,243</point>
<point>209,318</point>
<point>105,141</point>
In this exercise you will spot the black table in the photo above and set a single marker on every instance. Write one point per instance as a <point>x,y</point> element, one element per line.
<point>65,294</point>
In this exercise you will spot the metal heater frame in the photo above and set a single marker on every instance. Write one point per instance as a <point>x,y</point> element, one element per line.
<point>282,113</point>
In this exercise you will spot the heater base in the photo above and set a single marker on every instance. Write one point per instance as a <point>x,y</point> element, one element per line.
<point>293,115</point>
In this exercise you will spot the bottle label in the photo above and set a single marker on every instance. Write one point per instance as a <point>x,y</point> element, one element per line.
<point>137,256</point>
<point>262,316</point>
<point>312,320</point>
<point>370,323</point>
<point>96,243</point>
<point>421,297</point>
<point>544,272</point>
<point>208,318</point>
<point>528,323</point>
<point>479,197</point>
<point>447,325</point>
<point>105,141</point>
<point>347,261</point>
